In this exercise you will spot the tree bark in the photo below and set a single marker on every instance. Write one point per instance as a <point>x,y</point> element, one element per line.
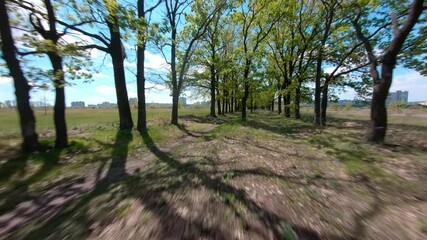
<point>117,55</point>
<point>22,89</point>
<point>246,90</point>
<point>279,102</point>
<point>212,90</point>
<point>297,113</point>
<point>61,139</point>
<point>324,104</point>
<point>140,75</point>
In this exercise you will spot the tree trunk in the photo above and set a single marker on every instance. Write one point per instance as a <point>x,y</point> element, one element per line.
<point>279,102</point>
<point>379,95</point>
<point>317,90</point>
<point>297,101</point>
<point>212,89</point>
<point>231,102</point>
<point>252,103</point>
<point>117,55</point>
<point>223,106</point>
<point>22,89</point>
<point>61,139</point>
<point>272,105</point>
<point>287,105</point>
<point>324,104</point>
<point>140,75</point>
<point>378,114</point>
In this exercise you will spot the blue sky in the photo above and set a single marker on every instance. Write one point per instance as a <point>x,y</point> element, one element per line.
<point>102,87</point>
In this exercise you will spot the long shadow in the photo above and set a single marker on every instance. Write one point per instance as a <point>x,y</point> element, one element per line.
<point>119,155</point>
<point>189,170</point>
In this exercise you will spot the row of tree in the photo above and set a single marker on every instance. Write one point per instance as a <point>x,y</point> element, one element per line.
<point>242,53</point>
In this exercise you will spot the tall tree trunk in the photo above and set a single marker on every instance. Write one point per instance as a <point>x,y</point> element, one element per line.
<point>287,105</point>
<point>223,106</point>
<point>252,103</point>
<point>175,92</point>
<point>317,89</point>
<point>272,105</point>
<point>232,102</point>
<point>140,74</point>
<point>246,88</point>
<point>297,101</point>
<point>218,103</point>
<point>212,90</point>
<point>324,104</point>
<point>279,104</point>
<point>22,89</point>
<point>61,139</point>
<point>117,55</point>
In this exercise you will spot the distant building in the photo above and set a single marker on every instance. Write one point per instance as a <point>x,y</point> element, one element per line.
<point>91,105</point>
<point>106,105</point>
<point>398,96</point>
<point>78,104</point>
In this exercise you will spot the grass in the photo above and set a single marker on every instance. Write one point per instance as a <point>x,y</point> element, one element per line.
<point>269,174</point>
<point>85,118</point>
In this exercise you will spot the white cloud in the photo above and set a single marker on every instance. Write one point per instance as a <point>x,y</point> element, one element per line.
<point>413,82</point>
<point>155,61</point>
<point>158,97</point>
<point>5,80</point>
<point>105,90</point>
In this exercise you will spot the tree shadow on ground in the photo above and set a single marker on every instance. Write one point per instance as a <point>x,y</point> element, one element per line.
<point>60,200</point>
<point>19,189</point>
<point>189,170</point>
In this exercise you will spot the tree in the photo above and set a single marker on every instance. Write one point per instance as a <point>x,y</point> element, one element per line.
<point>256,20</point>
<point>22,89</point>
<point>52,36</point>
<point>382,80</point>
<point>141,25</point>
<point>205,12</point>
<point>101,14</point>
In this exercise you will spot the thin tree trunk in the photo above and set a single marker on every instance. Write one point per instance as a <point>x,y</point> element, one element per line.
<point>117,56</point>
<point>297,101</point>
<point>212,90</point>
<point>324,104</point>
<point>140,75</point>
<point>246,89</point>
<point>61,139</point>
<point>272,105</point>
<point>223,106</point>
<point>22,89</point>
<point>279,102</point>
<point>287,105</point>
<point>175,92</point>
<point>252,103</point>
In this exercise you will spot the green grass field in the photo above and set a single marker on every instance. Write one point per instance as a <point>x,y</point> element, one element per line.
<point>85,118</point>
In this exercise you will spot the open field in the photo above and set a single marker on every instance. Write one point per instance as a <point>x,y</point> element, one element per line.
<point>270,178</point>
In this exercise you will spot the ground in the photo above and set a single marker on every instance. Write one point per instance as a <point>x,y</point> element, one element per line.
<point>216,178</point>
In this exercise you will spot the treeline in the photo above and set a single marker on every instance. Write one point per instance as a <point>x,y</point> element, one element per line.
<point>243,54</point>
